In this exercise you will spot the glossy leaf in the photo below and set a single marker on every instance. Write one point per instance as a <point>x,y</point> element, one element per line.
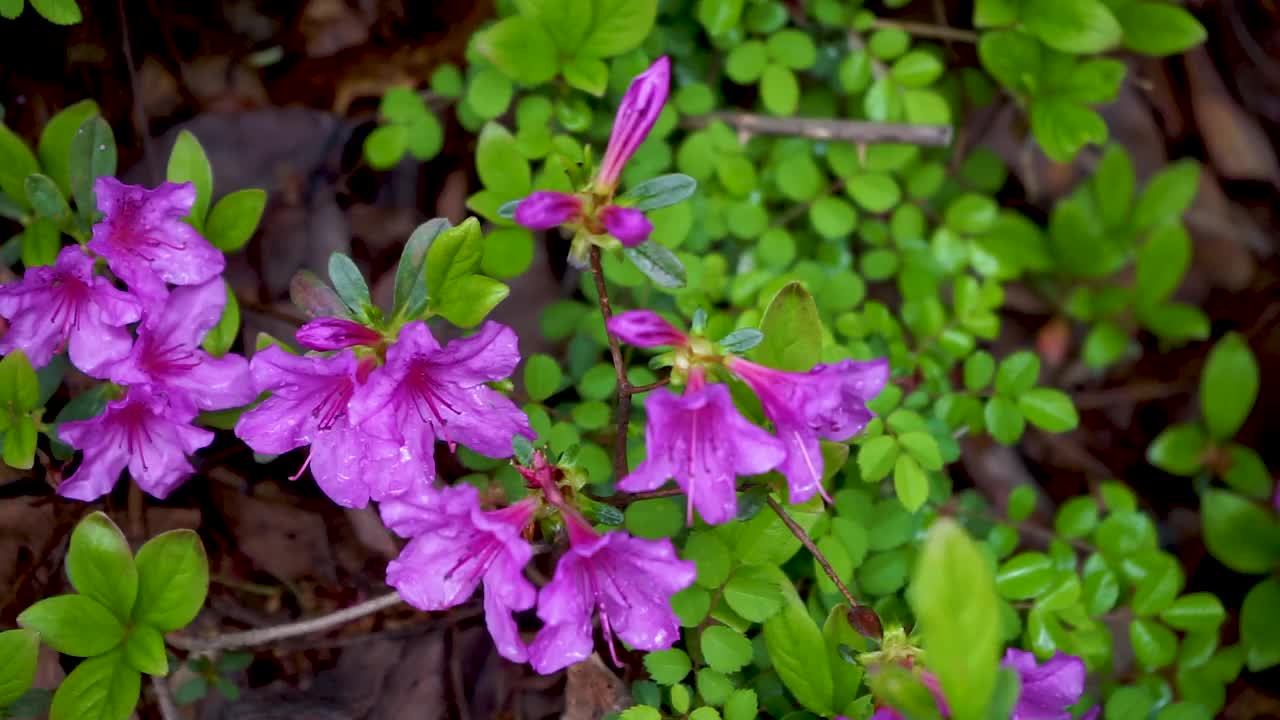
<point>100,688</point>
<point>73,624</point>
<point>20,649</point>
<point>1228,386</point>
<point>173,579</point>
<point>100,565</point>
<point>1240,534</point>
<point>659,192</point>
<point>792,331</point>
<point>1258,629</point>
<point>188,163</point>
<point>798,653</point>
<point>234,219</point>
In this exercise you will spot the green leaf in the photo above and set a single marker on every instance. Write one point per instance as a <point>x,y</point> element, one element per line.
<point>466,302</point>
<point>1158,588</point>
<point>1228,386</point>
<point>640,712</point>
<point>73,624</point>
<point>587,74</point>
<point>1013,57</point>
<point>20,649</point>
<point>995,13</point>
<point>755,598</point>
<point>924,448</point>
<point>779,90</point>
<point>542,377</point>
<point>1017,373</point>
<point>54,148</point>
<point>144,651</point>
<point>453,255</point>
<point>20,443</point>
<point>1077,517</point>
<point>876,192</point>
<point>222,336</point>
<point>667,667</point>
<point>798,652</point>
<point>16,163</point>
<point>619,26</point>
<point>521,48</point>
<point>658,264</point>
<point>1154,645</point>
<point>1162,263</point>
<point>792,331</point>
<point>910,483</point>
<point>41,243</point>
<point>711,555</point>
<point>658,192</point>
<point>1021,503</point>
<point>1049,409</point>
<point>1004,420</point>
<point>1176,321</point>
<point>1240,534</point>
<point>954,598</point>
<point>1091,82</point>
<point>100,688</point>
<point>100,565</point>
<point>188,163</point>
<point>19,387</point>
<point>741,705</point>
<point>655,518</point>
<point>173,578</point>
<point>1025,576</point>
<point>1129,702</point>
<point>1079,26</point>
<point>719,16</point>
<point>1167,195</point>
<point>792,48</point>
<point>1113,185</point>
<point>1158,28</point>
<point>58,12</point>
<point>1179,449</point>
<point>349,284</point>
<point>385,145</point>
<point>47,200</point>
<point>11,9</point>
<point>713,687</point>
<point>1248,474</point>
<point>234,219</point>
<point>918,68</point>
<point>191,690</point>
<point>92,155</point>
<point>1258,628</point>
<point>500,164</point>
<point>1063,127</point>
<point>726,650</point>
<point>1201,611</point>
<point>489,93</point>
<point>876,457</point>
<point>410,289</point>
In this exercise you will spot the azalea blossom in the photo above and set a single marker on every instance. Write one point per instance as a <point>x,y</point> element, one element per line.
<point>145,240</point>
<point>66,305</point>
<point>426,392</point>
<point>594,210</point>
<point>628,580</point>
<point>829,402</point>
<point>308,405</point>
<point>645,328</point>
<point>454,546</point>
<point>328,333</point>
<point>167,353</point>
<point>140,431</point>
<point>703,442</point>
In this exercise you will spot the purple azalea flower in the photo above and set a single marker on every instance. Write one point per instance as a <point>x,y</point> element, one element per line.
<point>641,105</point>
<point>140,431</point>
<point>645,328</point>
<point>630,226</point>
<point>455,546</point>
<point>145,240</point>
<point>703,442</point>
<point>1048,690</point>
<point>426,392</point>
<point>167,352</point>
<point>308,406</point>
<point>828,402</point>
<point>328,333</point>
<point>546,209</point>
<point>630,582</point>
<point>67,305</point>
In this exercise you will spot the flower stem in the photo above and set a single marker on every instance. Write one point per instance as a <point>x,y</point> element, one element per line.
<point>620,369</point>
<point>807,541</point>
<point>268,635</point>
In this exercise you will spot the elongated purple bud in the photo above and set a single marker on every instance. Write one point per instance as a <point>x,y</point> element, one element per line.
<point>639,110</point>
<point>646,328</point>
<point>331,333</point>
<point>545,209</point>
<point>628,225</point>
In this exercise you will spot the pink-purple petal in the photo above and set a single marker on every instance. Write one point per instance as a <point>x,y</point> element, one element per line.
<point>546,209</point>
<point>645,328</point>
<point>335,334</point>
<point>637,113</point>
<point>630,226</point>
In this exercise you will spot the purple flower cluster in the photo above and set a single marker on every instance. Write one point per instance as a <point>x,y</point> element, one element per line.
<point>700,440</point>
<point>166,377</point>
<point>1048,692</point>
<point>594,210</point>
<point>456,547</point>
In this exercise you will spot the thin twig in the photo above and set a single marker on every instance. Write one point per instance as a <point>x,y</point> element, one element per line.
<point>624,499</point>
<point>854,131</point>
<point>164,699</point>
<point>927,30</point>
<point>812,547</point>
<point>268,635</point>
<point>637,389</point>
<point>619,368</point>
<point>138,111</point>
